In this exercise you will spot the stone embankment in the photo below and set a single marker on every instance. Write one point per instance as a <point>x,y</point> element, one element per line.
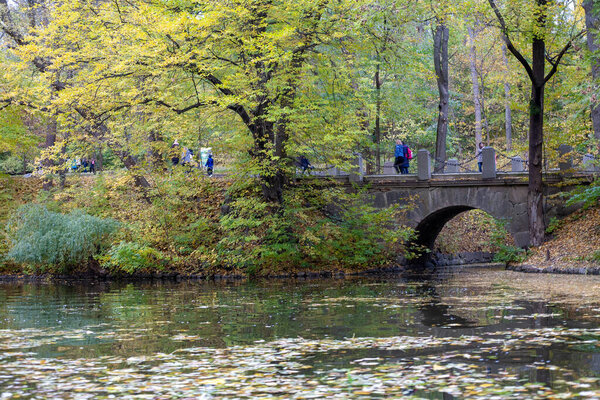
<point>555,270</point>
<point>464,258</point>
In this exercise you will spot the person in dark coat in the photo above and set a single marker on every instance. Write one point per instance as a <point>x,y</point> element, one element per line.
<point>304,163</point>
<point>209,165</point>
<point>174,153</point>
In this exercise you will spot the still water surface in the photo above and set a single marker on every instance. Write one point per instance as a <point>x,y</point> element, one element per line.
<point>472,333</point>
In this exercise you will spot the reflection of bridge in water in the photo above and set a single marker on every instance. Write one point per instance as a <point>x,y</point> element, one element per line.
<point>438,198</point>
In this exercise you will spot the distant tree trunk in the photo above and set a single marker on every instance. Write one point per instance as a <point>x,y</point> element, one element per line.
<point>24,163</point>
<point>156,159</point>
<point>592,23</point>
<point>486,125</point>
<point>131,165</point>
<point>440,61</point>
<point>507,110</point>
<point>99,159</point>
<point>475,82</point>
<point>377,132</point>
<point>47,162</point>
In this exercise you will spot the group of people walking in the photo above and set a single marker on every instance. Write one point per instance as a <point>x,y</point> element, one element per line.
<point>403,155</point>
<point>186,157</point>
<point>84,165</point>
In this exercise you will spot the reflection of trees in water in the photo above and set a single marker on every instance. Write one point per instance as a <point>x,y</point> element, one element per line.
<point>224,314</point>
<point>434,313</point>
<point>525,314</point>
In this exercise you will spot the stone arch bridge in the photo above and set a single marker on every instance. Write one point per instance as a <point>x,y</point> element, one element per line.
<point>439,199</point>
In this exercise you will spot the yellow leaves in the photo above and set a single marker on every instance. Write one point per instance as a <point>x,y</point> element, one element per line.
<point>439,367</point>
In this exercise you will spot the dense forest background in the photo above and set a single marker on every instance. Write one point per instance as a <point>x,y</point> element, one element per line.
<point>263,82</point>
<point>324,78</point>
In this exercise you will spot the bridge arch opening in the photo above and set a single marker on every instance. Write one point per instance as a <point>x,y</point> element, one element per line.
<point>471,229</point>
<point>431,226</point>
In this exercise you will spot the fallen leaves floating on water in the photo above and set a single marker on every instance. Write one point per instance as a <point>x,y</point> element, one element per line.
<point>279,369</point>
<point>493,338</point>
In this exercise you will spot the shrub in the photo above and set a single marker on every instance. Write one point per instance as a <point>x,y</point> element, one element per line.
<point>553,225</point>
<point>586,195</point>
<point>42,238</point>
<point>506,253</point>
<point>14,165</point>
<point>131,257</point>
<point>320,225</point>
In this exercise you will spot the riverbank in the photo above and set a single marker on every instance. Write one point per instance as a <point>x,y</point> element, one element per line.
<point>573,248</point>
<point>394,271</point>
<point>192,225</point>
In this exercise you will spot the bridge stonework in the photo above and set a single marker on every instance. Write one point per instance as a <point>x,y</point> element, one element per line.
<point>436,201</point>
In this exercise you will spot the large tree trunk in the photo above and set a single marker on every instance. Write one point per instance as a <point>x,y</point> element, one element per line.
<point>475,82</point>
<point>265,153</point>
<point>440,60</point>
<point>507,110</point>
<point>592,23</point>
<point>536,138</point>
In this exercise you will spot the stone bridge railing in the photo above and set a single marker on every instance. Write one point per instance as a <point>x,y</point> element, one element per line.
<point>491,166</point>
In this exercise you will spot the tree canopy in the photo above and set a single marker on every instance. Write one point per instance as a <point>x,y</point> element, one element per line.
<point>264,81</point>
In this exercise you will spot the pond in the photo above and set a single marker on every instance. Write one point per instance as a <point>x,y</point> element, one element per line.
<point>467,333</point>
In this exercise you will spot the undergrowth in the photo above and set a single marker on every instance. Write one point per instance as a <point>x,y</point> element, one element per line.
<point>50,241</point>
<point>179,225</point>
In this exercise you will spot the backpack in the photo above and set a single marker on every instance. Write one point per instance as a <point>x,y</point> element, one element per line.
<point>409,153</point>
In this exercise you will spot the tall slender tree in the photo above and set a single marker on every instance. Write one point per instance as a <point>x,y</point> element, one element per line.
<point>592,23</point>
<point>507,109</point>
<point>538,78</point>
<point>475,84</point>
<point>440,59</point>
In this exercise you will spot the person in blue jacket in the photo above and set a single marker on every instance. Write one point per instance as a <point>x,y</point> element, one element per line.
<point>209,165</point>
<point>406,164</point>
<point>401,162</point>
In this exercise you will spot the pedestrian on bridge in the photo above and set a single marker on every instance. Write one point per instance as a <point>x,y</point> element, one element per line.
<point>402,161</point>
<point>479,155</point>
<point>304,164</point>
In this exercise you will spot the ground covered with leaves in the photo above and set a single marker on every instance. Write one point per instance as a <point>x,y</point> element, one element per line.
<point>574,244</point>
<point>472,231</point>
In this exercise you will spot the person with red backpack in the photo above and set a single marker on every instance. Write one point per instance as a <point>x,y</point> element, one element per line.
<point>403,156</point>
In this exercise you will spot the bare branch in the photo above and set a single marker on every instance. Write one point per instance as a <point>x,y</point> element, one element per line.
<point>509,44</point>
<point>560,56</point>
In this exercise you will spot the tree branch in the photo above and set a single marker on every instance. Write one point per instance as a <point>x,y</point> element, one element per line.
<point>509,44</point>
<point>560,56</point>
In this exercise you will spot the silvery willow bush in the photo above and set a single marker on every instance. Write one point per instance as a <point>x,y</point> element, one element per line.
<point>43,238</point>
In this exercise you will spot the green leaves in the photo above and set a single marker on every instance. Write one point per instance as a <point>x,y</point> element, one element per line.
<point>45,239</point>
